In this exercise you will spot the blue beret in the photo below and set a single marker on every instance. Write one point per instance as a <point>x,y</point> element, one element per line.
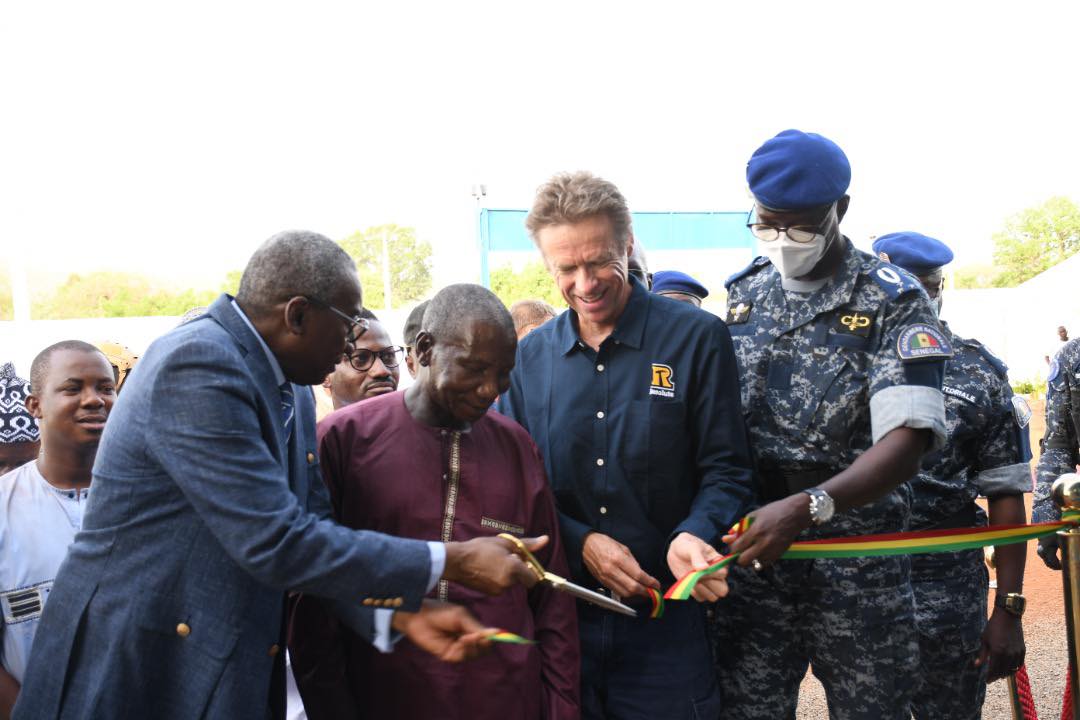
<point>675,281</point>
<point>915,252</point>
<point>798,171</point>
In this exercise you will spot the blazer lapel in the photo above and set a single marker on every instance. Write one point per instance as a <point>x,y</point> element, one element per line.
<point>261,371</point>
<point>299,442</point>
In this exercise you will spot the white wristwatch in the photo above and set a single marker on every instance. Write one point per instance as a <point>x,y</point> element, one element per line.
<point>822,506</point>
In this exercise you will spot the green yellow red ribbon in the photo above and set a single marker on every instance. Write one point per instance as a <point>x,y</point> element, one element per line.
<point>657,599</point>
<point>505,636</point>
<point>904,543</point>
<point>681,590</point>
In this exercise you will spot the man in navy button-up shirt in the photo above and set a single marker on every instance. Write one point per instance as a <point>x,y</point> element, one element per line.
<point>633,400</point>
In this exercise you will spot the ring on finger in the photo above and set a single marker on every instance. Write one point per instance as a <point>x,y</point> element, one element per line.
<point>758,567</point>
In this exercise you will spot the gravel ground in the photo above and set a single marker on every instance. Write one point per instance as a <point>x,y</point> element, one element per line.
<point>1044,631</point>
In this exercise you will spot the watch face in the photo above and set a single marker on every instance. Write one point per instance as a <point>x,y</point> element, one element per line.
<point>1014,603</point>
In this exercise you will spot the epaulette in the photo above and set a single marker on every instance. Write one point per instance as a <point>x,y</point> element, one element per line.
<point>997,363</point>
<point>757,263</point>
<point>894,280</point>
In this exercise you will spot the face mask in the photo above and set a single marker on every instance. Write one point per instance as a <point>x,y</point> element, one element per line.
<point>792,259</point>
<point>937,305</point>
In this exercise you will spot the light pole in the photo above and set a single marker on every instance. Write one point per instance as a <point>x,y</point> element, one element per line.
<point>479,192</point>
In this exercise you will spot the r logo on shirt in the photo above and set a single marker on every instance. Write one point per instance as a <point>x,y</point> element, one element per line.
<point>662,381</point>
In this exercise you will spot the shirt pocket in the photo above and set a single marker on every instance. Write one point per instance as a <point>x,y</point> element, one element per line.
<point>828,390</point>
<point>654,451</point>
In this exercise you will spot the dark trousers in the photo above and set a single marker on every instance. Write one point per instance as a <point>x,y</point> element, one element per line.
<point>648,669</point>
<point>950,614</point>
<point>852,619</point>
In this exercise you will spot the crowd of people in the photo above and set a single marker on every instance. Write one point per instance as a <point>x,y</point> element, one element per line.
<point>262,490</point>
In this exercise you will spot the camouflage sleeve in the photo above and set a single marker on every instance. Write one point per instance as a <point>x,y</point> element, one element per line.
<point>1003,455</point>
<point>1059,452</point>
<point>906,377</point>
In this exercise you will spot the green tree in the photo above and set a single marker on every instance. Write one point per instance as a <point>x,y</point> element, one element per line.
<point>116,294</point>
<point>231,283</point>
<point>7,302</point>
<point>410,264</point>
<point>532,282</point>
<point>971,277</point>
<point>1036,239</point>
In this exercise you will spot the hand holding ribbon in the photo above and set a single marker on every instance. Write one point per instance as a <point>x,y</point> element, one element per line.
<point>688,553</point>
<point>615,567</point>
<point>770,530</point>
<point>449,632</point>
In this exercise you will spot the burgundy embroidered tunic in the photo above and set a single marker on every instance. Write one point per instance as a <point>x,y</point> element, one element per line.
<point>388,472</point>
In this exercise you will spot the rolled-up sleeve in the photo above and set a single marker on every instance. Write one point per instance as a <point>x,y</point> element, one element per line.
<point>1006,480</point>
<point>1004,449</point>
<point>905,383</point>
<point>913,406</point>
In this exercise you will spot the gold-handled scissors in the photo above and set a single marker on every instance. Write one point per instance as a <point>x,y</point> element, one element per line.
<point>563,585</point>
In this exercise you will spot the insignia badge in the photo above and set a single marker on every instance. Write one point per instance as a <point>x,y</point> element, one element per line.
<point>1021,410</point>
<point>922,342</point>
<point>855,323</point>
<point>25,603</point>
<point>1053,372</point>
<point>739,313</point>
<point>663,381</point>
<point>884,256</point>
<point>889,275</point>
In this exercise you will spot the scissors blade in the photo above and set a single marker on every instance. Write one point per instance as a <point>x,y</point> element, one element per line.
<point>589,596</point>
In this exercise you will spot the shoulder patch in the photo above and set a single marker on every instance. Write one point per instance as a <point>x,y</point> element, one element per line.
<point>738,313</point>
<point>757,263</point>
<point>920,341</point>
<point>1055,370</point>
<point>893,280</point>
<point>1021,411</point>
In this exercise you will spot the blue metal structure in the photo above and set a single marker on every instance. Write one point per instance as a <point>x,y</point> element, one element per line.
<point>504,230</point>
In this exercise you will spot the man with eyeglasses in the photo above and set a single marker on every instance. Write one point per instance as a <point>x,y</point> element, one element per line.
<point>987,454</point>
<point>841,360</point>
<point>434,462</point>
<point>209,506</point>
<point>371,369</point>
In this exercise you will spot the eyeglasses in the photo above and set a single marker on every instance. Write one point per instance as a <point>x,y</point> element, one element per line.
<point>357,325</point>
<point>362,360</point>
<point>933,284</point>
<point>797,233</point>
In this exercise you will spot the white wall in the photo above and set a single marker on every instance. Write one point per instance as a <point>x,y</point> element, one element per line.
<point>1019,324</point>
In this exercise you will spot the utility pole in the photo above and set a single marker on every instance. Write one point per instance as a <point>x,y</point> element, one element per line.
<point>479,192</point>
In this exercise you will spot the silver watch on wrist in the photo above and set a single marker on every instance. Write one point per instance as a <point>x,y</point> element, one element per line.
<point>822,506</point>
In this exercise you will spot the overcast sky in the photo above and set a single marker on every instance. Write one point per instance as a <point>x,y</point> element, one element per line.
<point>173,138</point>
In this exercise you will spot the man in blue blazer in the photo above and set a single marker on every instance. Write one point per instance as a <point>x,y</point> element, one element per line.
<point>207,506</point>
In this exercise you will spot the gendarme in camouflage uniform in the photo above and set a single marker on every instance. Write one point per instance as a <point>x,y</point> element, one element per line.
<point>1059,449</point>
<point>826,374</point>
<point>987,454</point>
